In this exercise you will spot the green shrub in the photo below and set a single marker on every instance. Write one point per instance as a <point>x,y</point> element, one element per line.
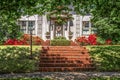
<point>60,38</point>
<point>106,58</point>
<point>105,78</point>
<point>59,41</point>
<point>16,59</point>
<point>27,79</point>
<point>100,40</point>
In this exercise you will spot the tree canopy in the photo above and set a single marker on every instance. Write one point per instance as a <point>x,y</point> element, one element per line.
<point>106,13</point>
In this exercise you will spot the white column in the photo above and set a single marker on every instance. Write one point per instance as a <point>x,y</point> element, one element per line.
<point>90,28</point>
<point>51,32</point>
<point>36,24</point>
<point>54,30</point>
<point>27,26</point>
<point>68,29</point>
<point>43,28</point>
<point>74,24</point>
<point>81,20</point>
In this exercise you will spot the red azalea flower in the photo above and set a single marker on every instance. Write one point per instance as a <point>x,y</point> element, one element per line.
<point>92,39</point>
<point>108,41</point>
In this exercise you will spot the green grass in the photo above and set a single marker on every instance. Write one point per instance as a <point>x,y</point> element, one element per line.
<point>106,58</point>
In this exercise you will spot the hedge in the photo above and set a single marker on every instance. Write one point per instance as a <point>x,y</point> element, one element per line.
<point>17,59</point>
<point>27,79</point>
<point>106,58</point>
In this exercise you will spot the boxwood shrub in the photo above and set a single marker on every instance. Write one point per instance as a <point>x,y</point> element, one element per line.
<point>16,59</point>
<point>60,41</point>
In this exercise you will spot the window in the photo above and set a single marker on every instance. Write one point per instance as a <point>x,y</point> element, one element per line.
<point>31,23</point>
<point>22,25</point>
<point>86,24</point>
<point>26,25</point>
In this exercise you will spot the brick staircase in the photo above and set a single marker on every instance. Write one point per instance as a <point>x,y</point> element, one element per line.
<point>65,58</point>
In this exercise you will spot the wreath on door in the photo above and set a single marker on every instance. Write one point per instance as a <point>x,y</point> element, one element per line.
<point>58,29</point>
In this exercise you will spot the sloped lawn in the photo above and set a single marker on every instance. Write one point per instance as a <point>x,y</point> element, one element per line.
<point>106,58</point>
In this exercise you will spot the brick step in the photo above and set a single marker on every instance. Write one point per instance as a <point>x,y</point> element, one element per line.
<point>65,58</point>
<point>67,51</point>
<point>65,65</point>
<point>60,69</point>
<point>72,58</point>
<point>64,55</point>
<point>63,48</point>
<point>67,61</point>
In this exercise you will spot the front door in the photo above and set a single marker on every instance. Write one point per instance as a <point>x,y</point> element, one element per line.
<point>58,31</point>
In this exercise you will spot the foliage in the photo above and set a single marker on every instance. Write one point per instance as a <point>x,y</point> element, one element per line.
<point>106,19</point>
<point>105,78</point>
<point>60,38</point>
<point>16,59</point>
<point>106,58</point>
<point>36,40</point>
<point>108,41</point>
<point>15,42</point>
<point>9,30</point>
<point>60,41</point>
<point>92,39</point>
<point>10,11</point>
<point>100,41</point>
<point>27,79</point>
<point>82,40</point>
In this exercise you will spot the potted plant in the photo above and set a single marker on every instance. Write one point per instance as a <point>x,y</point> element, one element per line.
<point>70,35</point>
<point>47,35</point>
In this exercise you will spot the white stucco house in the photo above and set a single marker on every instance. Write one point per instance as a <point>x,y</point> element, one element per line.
<point>79,26</point>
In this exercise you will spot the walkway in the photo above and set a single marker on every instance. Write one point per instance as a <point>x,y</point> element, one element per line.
<point>63,75</point>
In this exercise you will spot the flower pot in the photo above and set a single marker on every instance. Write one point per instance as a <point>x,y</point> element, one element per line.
<point>48,36</point>
<point>70,36</point>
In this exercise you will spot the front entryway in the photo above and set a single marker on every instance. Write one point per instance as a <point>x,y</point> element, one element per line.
<point>58,31</point>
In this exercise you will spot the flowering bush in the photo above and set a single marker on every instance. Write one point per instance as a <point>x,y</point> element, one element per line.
<point>15,42</point>
<point>82,40</point>
<point>35,39</point>
<point>92,39</point>
<point>25,40</point>
<point>108,41</point>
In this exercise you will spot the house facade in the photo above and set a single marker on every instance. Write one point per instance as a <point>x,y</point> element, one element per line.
<point>42,27</point>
